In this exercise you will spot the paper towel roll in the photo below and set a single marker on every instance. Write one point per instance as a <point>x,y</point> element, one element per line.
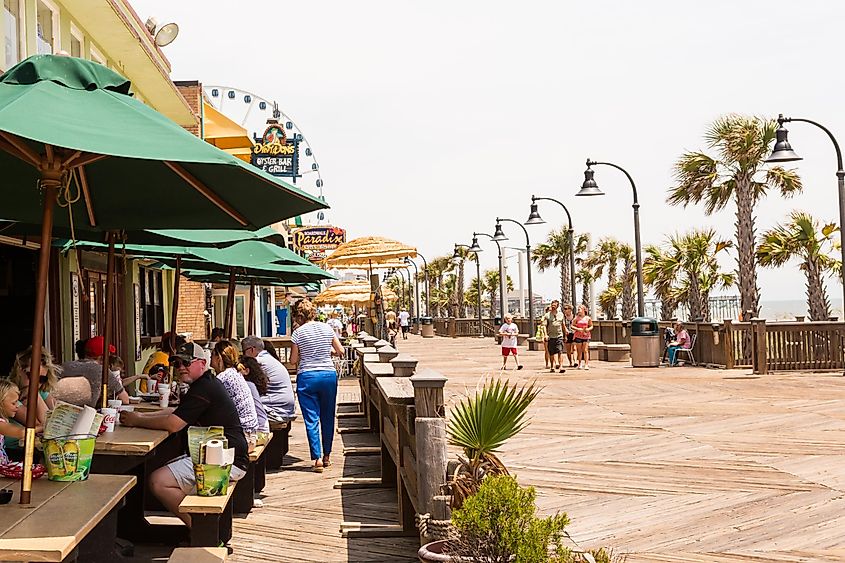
<point>83,421</point>
<point>214,452</point>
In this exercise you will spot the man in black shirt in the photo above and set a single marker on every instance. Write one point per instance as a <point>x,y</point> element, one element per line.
<point>205,404</point>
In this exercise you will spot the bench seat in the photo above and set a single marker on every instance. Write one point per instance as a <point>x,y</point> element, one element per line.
<point>253,481</point>
<point>617,352</point>
<point>279,444</point>
<point>211,517</point>
<point>198,555</point>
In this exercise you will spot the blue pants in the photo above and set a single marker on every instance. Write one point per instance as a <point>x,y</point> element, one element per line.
<point>673,351</point>
<point>317,391</point>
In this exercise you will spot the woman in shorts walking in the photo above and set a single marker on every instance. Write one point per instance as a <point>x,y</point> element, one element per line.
<point>583,327</point>
<point>509,330</point>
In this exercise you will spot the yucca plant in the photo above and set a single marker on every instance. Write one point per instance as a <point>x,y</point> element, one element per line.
<point>480,425</point>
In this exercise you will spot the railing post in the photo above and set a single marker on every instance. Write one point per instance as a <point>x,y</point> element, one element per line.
<point>453,327</point>
<point>728,345</point>
<point>430,430</point>
<point>759,360</point>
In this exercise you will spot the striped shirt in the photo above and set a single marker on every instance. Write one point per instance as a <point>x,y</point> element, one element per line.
<point>314,341</point>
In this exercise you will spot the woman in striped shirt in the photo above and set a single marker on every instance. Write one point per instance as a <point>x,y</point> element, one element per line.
<point>312,345</point>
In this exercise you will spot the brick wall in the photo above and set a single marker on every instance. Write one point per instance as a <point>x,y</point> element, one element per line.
<point>191,315</point>
<point>191,90</point>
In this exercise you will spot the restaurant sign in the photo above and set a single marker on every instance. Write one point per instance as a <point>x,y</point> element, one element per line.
<point>318,238</point>
<point>276,154</point>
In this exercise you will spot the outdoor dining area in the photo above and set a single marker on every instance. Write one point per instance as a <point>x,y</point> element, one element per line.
<point>88,166</point>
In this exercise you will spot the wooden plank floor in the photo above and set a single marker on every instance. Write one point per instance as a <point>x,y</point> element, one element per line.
<point>675,464</point>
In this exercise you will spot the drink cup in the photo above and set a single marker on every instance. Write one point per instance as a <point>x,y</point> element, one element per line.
<point>164,396</point>
<point>109,418</point>
<point>151,385</point>
<point>115,403</point>
<point>123,408</point>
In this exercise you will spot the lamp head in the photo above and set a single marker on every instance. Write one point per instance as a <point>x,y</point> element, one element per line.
<point>166,35</point>
<point>474,247</point>
<point>498,234</point>
<point>456,256</point>
<point>589,187</point>
<point>534,217</point>
<point>782,151</point>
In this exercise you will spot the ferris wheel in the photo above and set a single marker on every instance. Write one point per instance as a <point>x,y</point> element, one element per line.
<point>252,112</point>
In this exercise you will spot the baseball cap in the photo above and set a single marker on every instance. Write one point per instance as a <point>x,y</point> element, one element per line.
<point>94,347</point>
<point>188,352</point>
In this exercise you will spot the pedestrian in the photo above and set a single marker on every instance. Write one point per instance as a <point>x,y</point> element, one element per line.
<point>312,345</point>
<point>404,323</point>
<point>336,325</point>
<point>569,335</point>
<point>553,320</point>
<point>509,330</point>
<point>542,336</point>
<point>583,327</point>
<point>205,404</point>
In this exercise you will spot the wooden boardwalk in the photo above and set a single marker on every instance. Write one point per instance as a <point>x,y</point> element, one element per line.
<point>675,464</point>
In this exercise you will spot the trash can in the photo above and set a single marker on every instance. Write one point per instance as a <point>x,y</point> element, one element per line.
<point>645,342</point>
<point>427,327</point>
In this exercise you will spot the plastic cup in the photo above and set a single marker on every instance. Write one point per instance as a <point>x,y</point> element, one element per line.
<point>151,385</point>
<point>115,403</point>
<point>109,418</point>
<point>164,396</point>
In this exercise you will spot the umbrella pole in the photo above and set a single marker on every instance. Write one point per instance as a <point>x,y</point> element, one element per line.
<point>109,323</point>
<point>51,186</point>
<point>251,326</point>
<point>230,305</point>
<point>174,311</point>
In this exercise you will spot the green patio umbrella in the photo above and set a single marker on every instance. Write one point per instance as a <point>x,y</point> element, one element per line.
<point>72,134</point>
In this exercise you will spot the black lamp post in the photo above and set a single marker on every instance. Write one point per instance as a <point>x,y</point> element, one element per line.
<point>783,153</point>
<point>498,235</point>
<point>588,188</point>
<point>416,285</point>
<point>502,280</point>
<point>535,219</point>
<point>427,289</point>
<point>410,297</point>
<point>457,259</point>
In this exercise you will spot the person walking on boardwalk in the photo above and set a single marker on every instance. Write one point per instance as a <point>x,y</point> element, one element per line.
<point>553,321</point>
<point>569,335</point>
<point>509,330</point>
<point>583,326</point>
<point>404,323</point>
<point>312,345</point>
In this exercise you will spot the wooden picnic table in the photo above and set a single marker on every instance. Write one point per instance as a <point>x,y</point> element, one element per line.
<point>62,517</point>
<point>127,440</point>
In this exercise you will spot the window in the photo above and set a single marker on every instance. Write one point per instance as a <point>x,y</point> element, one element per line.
<point>46,28</point>
<point>13,31</point>
<point>239,330</point>
<point>97,56</point>
<point>75,42</point>
<point>152,310</point>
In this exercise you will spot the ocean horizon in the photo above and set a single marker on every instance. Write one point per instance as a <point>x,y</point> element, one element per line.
<point>788,309</point>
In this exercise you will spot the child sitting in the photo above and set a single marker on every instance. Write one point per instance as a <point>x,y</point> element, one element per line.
<point>9,395</point>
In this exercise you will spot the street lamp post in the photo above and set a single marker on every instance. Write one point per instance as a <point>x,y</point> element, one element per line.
<point>456,259</point>
<point>410,297</point>
<point>427,288</point>
<point>416,286</point>
<point>535,219</point>
<point>589,188</point>
<point>502,280</point>
<point>782,152</point>
<point>498,235</point>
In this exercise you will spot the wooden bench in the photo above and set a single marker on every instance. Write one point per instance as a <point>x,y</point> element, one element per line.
<point>617,352</point>
<point>598,350</point>
<point>372,372</point>
<point>198,555</point>
<point>404,365</point>
<point>253,480</point>
<point>211,517</point>
<point>279,444</point>
<point>64,521</point>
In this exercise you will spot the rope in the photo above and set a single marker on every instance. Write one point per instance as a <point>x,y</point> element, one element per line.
<point>434,530</point>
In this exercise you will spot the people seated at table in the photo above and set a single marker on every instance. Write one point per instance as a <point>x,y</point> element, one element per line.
<point>256,380</point>
<point>20,377</point>
<point>682,341</point>
<point>271,349</point>
<point>158,366</point>
<point>225,360</point>
<point>278,401</point>
<point>91,368</point>
<point>206,403</point>
<point>9,395</point>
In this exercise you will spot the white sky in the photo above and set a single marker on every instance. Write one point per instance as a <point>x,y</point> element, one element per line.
<point>444,115</point>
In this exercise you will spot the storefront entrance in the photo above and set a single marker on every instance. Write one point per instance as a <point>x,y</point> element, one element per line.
<point>17,302</point>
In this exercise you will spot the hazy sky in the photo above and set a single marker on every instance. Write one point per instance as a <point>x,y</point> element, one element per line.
<point>429,119</point>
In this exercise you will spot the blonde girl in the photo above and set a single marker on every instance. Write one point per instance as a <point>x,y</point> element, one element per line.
<point>9,395</point>
<point>582,325</point>
<point>226,361</point>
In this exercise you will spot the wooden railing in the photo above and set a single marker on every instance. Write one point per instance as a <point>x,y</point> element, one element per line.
<point>785,346</point>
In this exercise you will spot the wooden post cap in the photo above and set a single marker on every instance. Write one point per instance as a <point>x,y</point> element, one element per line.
<point>428,378</point>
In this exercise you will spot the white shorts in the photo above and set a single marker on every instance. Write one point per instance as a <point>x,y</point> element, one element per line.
<point>183,471</point>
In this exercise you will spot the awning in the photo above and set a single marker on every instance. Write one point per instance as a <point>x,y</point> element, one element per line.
<point>225,134</point>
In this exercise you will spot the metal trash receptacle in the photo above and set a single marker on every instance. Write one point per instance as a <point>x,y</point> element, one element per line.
<point>427,327</point>
<point>645,342</point>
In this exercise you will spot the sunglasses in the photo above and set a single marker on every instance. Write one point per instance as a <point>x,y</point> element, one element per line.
<point>178,363</point>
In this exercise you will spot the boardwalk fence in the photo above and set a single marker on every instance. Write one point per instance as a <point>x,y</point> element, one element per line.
<point>761,345</point>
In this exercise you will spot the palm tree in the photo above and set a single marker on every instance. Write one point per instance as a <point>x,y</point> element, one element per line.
<point>741,144</point>
<point>471,295</point>
<point>554,253</point>
<point>660,269</point>
<point>491,286</point>
<point>802,238</point>
<point>629,278</point>
<point>585,278</point>
<point>605,255</point>
<point>437,268</point>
